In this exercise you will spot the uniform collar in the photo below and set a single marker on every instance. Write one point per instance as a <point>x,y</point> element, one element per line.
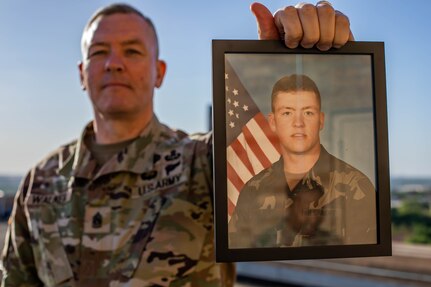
<point>319,173</point>
<point>136,157</point>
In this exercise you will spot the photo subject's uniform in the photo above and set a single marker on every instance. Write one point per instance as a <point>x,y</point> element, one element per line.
<point>144,218</point>
<point>347,207</point>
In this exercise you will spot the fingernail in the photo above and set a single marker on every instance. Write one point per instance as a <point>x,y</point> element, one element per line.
<point>323,47</point>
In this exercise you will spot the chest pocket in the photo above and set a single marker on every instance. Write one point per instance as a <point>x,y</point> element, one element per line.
<point>176,244</point>
<point>113,249</point>
<point>144,234</point>
<point>50,257</point>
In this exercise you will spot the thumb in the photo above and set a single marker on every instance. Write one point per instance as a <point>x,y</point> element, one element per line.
<point>265,22</point>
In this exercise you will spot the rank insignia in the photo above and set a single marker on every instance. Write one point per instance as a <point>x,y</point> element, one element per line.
<point>97,219</point>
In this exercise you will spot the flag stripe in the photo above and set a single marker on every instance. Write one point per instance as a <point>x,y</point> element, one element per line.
<point>230,207</point>
<point>237,162</point>
<point>257,165</point>
<point>232,192</point>
<point>264,125</point>
<point>233,177</point>
<point>242,154</point>
<point>266,146</point>
<point>251,141</point>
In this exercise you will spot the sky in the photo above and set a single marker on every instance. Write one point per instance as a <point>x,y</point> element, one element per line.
<point>42,105</point>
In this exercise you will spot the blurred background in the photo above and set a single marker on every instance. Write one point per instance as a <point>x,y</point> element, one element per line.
<point>42,106</point>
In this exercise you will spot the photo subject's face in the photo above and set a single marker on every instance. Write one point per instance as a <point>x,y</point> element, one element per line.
<point>120,68</point>
<point>297,121</point>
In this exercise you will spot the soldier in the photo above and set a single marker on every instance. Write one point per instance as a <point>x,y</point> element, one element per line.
<point>129,203</point>
<point>308,197</point>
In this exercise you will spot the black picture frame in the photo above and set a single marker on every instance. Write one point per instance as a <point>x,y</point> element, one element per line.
<point>356,73</point>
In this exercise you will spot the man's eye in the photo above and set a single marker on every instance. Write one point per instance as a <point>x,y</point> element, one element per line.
<point>133,52</point>
<point>286,113</point>
<point>309,113</point>
<point>97,53</point>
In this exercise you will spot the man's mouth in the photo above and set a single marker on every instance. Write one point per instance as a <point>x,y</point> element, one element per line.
<point>298,135</point>
<point>115,85</point>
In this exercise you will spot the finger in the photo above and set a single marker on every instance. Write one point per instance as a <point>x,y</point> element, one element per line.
<point>266,28</point>
<point>289,26</point>
<point>310,24</point>
<point>342,30</point>
<point>326,16</point>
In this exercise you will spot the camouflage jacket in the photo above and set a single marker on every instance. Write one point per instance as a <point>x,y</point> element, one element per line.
<point>144,218</point>
<point>269,214</point>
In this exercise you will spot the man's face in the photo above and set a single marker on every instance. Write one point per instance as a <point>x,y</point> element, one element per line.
<point>120,68</point>
<point>297,120</point>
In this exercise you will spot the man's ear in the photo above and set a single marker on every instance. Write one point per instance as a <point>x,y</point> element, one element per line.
<point>81,75</point>
<point>161,71</point>
<point>271,121</point>
<point>322,120</point>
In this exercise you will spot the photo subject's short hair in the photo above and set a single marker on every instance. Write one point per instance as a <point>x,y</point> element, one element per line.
<point>294,83</point>
<point>121,8</point>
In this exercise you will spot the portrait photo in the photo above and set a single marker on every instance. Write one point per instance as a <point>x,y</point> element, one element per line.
<point>303,154</point>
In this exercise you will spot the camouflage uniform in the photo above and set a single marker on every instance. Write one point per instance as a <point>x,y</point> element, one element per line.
<point>144,218</point>
<point>344,212</point>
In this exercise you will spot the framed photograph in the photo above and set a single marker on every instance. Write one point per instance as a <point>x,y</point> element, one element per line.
<point>300,151</point>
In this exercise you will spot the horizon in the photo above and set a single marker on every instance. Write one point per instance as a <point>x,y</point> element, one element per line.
<point>392,178</point>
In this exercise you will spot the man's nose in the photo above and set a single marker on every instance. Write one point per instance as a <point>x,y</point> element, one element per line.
<point>298,120</point>
<point>114,63</point>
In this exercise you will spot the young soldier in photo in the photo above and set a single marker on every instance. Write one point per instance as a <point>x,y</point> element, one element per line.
<point>129,203</point>
<point>308,197</point>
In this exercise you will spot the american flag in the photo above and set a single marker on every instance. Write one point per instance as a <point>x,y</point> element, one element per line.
<point>251,146</point>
